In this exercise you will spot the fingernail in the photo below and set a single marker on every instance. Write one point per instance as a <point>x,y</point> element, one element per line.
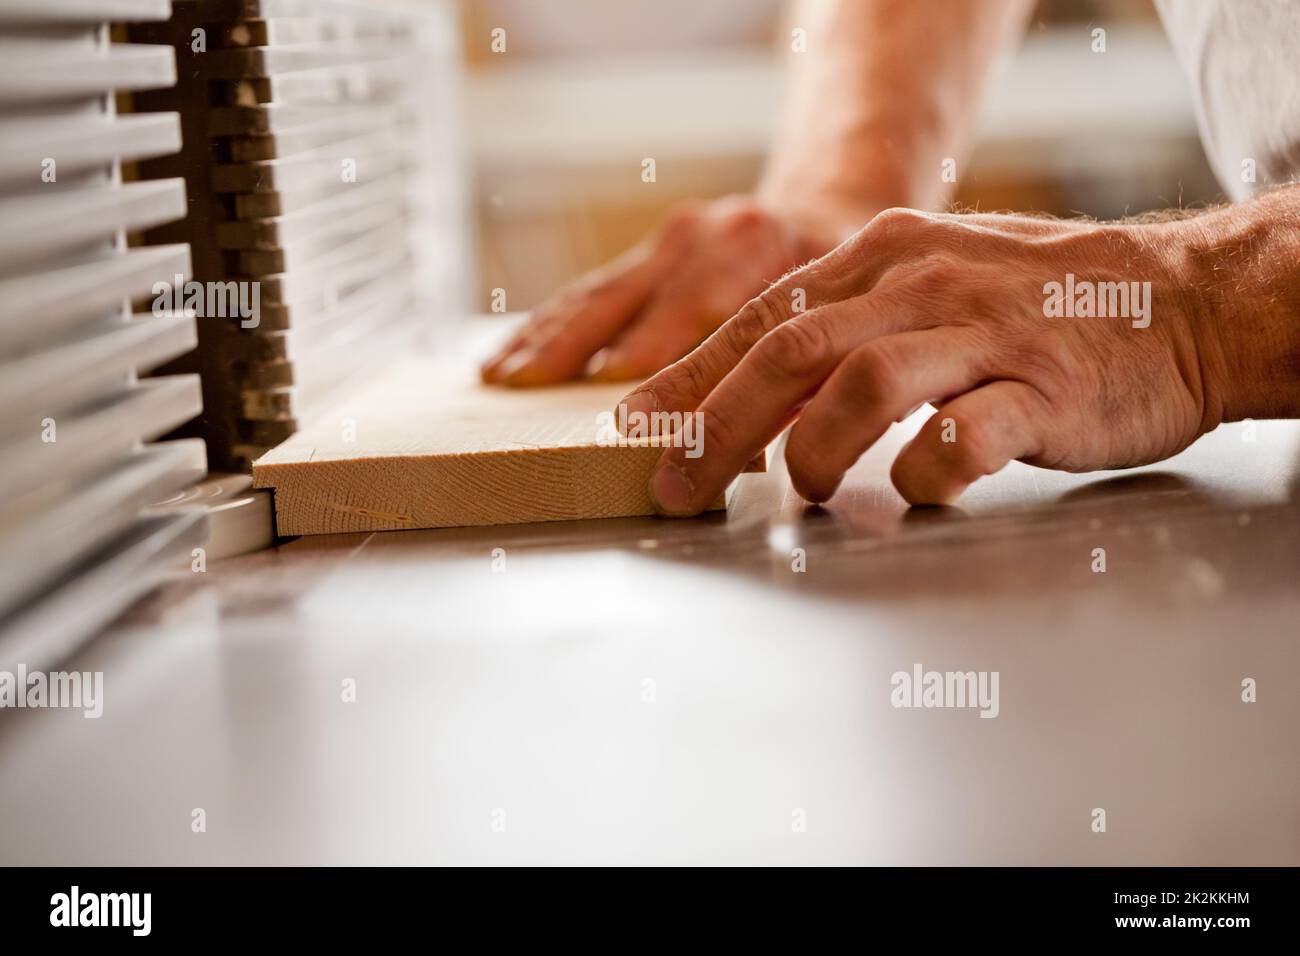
<point>642,401</point>
<point>670,490</point>
<point>596,364</point>
<point>516,369</point>
<point>611,366</point>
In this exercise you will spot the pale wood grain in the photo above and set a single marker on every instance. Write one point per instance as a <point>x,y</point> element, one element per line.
<point>433,448</point>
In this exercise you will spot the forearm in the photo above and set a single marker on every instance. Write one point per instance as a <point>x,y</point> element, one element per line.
<point>884,93</point>
<point>1242,264</point>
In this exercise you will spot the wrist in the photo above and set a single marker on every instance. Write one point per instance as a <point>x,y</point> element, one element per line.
<point>1243,293</point>
<point>829,211</point>
<point>838,186</point>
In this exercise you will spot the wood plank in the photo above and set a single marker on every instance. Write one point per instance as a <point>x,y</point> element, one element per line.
<point>433,448</point>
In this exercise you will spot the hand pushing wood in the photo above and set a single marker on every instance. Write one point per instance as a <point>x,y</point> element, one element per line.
<point>1069,345</point>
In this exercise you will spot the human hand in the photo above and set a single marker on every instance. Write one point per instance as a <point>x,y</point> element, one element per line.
<point>959,310</point>
<point>660,299</point>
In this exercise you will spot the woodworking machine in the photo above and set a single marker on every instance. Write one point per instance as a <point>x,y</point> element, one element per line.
<point>218,213</point>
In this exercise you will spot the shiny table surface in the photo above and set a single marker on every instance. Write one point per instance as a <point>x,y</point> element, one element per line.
<point>673,691</point>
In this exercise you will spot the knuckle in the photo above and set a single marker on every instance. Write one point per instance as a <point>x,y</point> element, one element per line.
<point>796,348</point>
<point>717,432</point>
<point>872,378</point>
<point>896,220</point>
<point>938,271</point>
<point>935,276</point>
<point>680,385</point>
<point>684,384</point>
<point>759,316</point>
<point>679,225</point>
<point>683,213</point>
<point>692,379</point>
<point>743,218</point>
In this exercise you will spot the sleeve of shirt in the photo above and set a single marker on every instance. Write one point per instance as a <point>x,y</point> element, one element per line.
<point>1243,60</point>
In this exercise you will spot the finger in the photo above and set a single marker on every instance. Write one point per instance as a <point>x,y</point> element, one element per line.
<point>851,269</point>
<point>758,398</point>
<point>973,435</point>
<point>696,302</point>
<point>663,332</point>
<point>534,328</point>
<point>876,385</point>
<point>683,385</point>
<point>535,324</point>
<point>690,308</point>
<point>566,331</point>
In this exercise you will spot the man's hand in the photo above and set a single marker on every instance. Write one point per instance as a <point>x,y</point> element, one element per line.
<point>870,118</point>
<point>962,311</point>
<point>659,300</point>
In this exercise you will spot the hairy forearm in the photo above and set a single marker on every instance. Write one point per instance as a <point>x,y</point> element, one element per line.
<point>1242,268</point>
<point>885,91</point>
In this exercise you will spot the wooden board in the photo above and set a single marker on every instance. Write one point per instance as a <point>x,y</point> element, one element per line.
<point>432,448</point>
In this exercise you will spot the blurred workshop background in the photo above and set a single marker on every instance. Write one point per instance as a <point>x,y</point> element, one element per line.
<point>585,89</point>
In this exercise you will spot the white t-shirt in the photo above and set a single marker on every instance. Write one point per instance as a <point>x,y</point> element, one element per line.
<point>1243,58</point>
